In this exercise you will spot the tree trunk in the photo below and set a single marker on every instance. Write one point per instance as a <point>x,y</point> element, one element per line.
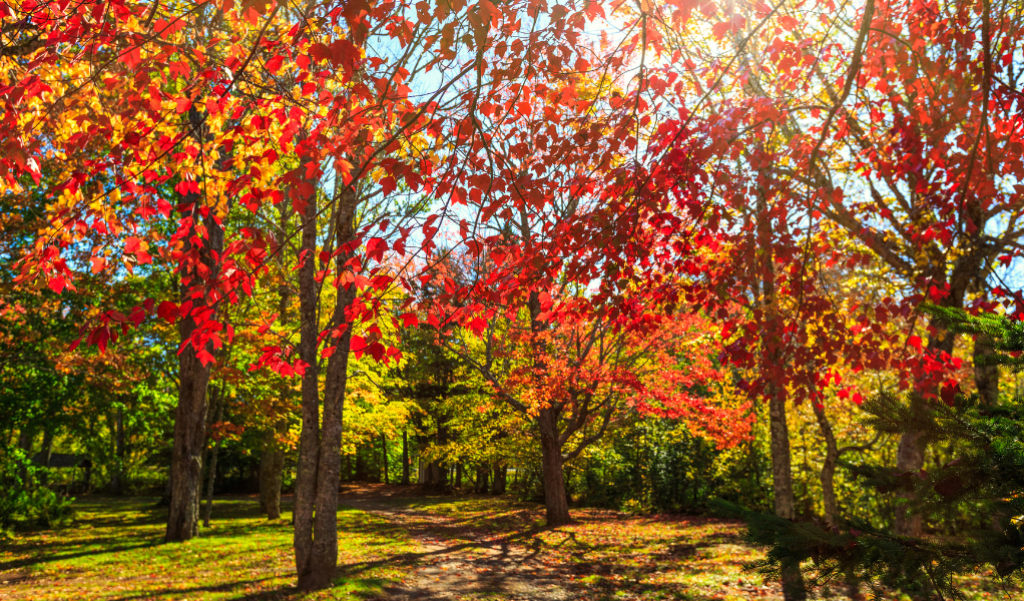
<point>193,376</point>
<point>986,376</point>
<point>211,479</point>
<point>405,458</point>
<point>556,501</point>
<point>986,380</point>
<point>498,480</point>
<point>793,588</point>
<point>46,451</point>
<point>384,455</point>
<point>271,469</point>
<point>309,437</point>
<point>211,476</point>
<point>828,467</point>
<point>117,478</point>
<point>458,475</point>
<point>480,486</point>
<point>782,471</point>
<point>910,451</point>
<point>318,481</point>
<point>189,442</point>
<point>909,458</point>
<point>272,459</point>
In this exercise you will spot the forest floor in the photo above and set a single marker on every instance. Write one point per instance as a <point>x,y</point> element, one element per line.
<point>396,543</point>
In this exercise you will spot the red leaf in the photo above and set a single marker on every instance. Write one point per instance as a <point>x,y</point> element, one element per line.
<point>375,249</point>
<point>168,311</point>
<point>57,283</point>
<point>274,64</point>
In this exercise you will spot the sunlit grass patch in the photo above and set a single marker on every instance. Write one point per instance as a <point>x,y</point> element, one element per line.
<point>114,551</point>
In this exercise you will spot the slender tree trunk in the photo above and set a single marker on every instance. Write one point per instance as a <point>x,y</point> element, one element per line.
<point>481,479</point>
<point>117,478</point>
<point>272,459</point>
<point>910,451</point>
<point>316,500</point>
<point>271,468</point>
<point>556,500</point>
<point>211,476</point>
<point>782,471</point>
<point>309,437</point>
<point>986,376</point>
<point>458,475</point>
<point>828,467</point>
<point>384,454</point>
<point>405,458</point>
<point>266,463</point>
<point>986,380</point>
<point>189,442</point>
<point>211,480</point>
<point>193,376</point>
<point>793,587</point>
<point>498,479</point>
<point>212,472</point>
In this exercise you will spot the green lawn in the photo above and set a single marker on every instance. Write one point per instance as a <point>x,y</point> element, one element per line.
<point>114,551</point>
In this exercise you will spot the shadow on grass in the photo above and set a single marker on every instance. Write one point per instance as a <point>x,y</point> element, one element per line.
<point>361,587</point>
<point>49,558</point>
<point>212,588</point>
<point>507,551</point>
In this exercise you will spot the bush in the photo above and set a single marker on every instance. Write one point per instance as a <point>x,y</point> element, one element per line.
<point>24,501</point>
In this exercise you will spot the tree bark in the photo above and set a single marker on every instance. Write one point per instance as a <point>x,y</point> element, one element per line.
<point>782,471</point>
<point>986,376</point>
<point>309,437</point>
<point>117,478</point>
<point>271,468</point>
<point>793,588</point>
<point>211,476</point>
<point>189,440</point>
<point>498,479</point>
<point>272,459</point>
<point>318,481</point>
<point>828,467</point>
<point>910,451</point>
<point>384,455</point>
<point>556,502</point>
<point>193,376</point>
<point>405,458</point>
<point>480,486</point>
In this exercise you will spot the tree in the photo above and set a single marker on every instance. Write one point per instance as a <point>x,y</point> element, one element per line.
<point>570,375</point>
<point>982,482</point>
<point>922,194</point>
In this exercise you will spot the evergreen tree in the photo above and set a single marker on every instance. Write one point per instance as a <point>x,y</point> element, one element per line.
<point>984,482</point>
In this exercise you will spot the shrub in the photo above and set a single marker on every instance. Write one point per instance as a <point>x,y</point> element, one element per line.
<point>24,501</point>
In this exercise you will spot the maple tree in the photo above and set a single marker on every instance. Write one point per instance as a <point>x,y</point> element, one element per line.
<point>570,374</point>
<point>881,138</point>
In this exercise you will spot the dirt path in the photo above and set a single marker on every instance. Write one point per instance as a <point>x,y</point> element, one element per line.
<point>456,561</point>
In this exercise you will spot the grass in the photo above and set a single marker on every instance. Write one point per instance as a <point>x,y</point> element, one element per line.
<point>113,551</point>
